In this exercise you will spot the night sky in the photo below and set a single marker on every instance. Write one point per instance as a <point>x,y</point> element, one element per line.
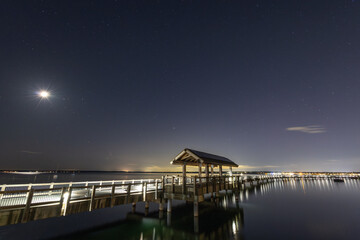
<point>272,85</point>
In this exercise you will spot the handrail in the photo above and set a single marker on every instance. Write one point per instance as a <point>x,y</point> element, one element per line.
<point>53,184</point>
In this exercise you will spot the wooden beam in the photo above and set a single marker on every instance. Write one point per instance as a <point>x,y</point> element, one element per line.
<point>200,170</point>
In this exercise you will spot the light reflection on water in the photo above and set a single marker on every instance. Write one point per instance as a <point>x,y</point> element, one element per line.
<point>289,209</point>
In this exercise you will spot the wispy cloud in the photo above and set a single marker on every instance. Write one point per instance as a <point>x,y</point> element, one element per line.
<point>332,161</point>
<point>308,129</point>
<point>30,152</point>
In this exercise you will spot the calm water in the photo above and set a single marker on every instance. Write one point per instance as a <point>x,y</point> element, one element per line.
<point>311,209</point>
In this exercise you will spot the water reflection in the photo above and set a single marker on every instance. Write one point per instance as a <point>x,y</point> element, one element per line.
<point>283,209</point>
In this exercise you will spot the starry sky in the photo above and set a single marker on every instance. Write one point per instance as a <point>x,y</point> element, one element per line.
<point>272,85</point>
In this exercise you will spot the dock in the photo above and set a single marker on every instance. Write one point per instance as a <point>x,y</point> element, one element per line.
<point>21,203</point>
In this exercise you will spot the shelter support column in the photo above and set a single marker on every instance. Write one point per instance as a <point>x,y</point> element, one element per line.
<point>207,177</point>
<point>220,171</point>
<point>212,169</point>
<point>184,178</point>
<point>200,170</point>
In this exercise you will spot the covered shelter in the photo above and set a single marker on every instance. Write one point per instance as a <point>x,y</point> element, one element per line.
<point>190,157</point>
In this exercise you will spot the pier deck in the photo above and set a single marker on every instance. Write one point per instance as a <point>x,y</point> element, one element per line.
<point>20,203</point>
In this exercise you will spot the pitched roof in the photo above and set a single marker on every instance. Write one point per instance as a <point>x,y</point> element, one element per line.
<point>194,157</point>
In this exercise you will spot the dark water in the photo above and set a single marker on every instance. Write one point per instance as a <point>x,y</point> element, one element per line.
<point>310,209</point>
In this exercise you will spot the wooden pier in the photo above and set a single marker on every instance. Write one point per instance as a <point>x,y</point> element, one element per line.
<point>20,203</point>
<point>41,201</point>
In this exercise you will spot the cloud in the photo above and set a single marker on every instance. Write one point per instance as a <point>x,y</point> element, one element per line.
<point>30,152</point>
<point>308,129</point>
<point>332,161</point>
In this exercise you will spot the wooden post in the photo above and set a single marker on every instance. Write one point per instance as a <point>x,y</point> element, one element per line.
<point>51,187</point>
<point>196,207</point>
<point>200,170</point>
<point>128,193</point>
<point>196,224</point>
<point>168,222</point>
<point>220,171</point>
<point>133,207</point>
<point>62,200</point>
<point>194,186</point>
<point>219,183</point>
<point>163,184</point>
<point>26,213</point>
<point>161,204</point>
<point>230,171</point>
<point>184,179</point>
<point>207,177</point>
<point>212,169</point>
<point>68,199</point>
<point>145,190</point>
<point>224,178</point>
<point>3,188</point>
<point>173,184</point>
<point>169,205</point>
<point>156,189</point>
<point>112,195</point>
<point>93,190</point>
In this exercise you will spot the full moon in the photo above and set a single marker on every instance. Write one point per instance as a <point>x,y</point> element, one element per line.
<point>44,94</point>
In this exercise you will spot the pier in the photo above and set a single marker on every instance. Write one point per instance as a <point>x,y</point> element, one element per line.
<point>20,203</point>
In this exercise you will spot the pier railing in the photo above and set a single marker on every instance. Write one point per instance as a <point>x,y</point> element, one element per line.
<point>87,195</point>
<point>25,202</point>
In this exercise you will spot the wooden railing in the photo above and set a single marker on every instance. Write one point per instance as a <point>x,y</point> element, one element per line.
<point>63,194</point>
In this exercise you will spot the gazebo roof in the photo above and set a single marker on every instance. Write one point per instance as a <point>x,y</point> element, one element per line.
<point>194,158</point>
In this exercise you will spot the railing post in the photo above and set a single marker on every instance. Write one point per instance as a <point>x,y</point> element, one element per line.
<point>26,212</point>
<point>51,187</point>
<point>3,188</point>
<point>68,199</point>
<point>156,189</point>
<point>93,191</point>
<point>112,194</point>
<point>62,200</point>
<point>144,191</point>
<point>128,193</point>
